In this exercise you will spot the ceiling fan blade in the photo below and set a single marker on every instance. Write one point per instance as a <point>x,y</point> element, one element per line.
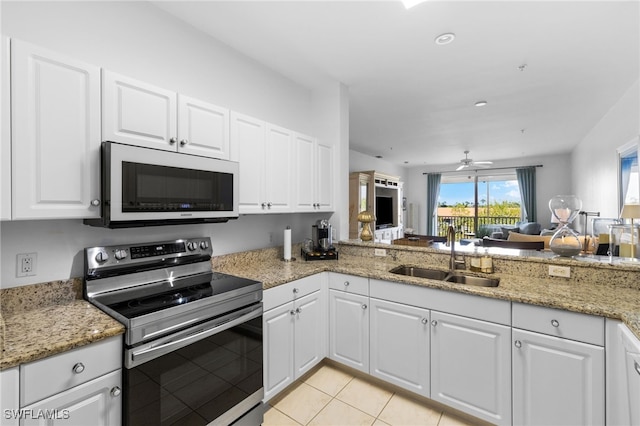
<point>482,165</point>
<point>483,162</point>
<point>460,167</point>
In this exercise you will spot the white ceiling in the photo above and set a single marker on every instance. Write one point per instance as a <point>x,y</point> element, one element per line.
<point>412,101</point>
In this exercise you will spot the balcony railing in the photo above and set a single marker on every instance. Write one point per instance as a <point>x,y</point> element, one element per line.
<point>468,227</point>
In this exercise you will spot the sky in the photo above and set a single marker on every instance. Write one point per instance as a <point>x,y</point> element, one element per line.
<point>499,191</point>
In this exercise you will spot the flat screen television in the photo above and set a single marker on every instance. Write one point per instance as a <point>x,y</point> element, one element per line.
<point>384,212</point>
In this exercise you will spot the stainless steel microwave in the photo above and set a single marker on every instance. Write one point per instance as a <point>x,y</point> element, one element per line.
<point>150,187</point>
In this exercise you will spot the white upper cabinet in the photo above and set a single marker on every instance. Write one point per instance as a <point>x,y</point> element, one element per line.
<point>265,155</point>
<point>314,167</point>
<point>248,136</point>
<point>138,113</point>
<point>203,128</point>
<point>55,145</point>
<point>278,167</point>
<point>5,136</point>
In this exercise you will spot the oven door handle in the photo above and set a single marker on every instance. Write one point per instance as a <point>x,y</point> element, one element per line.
<point>137,357</point>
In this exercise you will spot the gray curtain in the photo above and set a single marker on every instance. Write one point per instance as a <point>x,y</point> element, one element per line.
<point>527,183</point>
<point>433,190</point>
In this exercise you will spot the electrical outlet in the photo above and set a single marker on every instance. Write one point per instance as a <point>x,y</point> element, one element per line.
<point>559,271</point>
<point>26,264</point>
<point>380,252</point>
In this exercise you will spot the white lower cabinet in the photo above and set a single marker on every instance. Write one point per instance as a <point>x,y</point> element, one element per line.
<point>96,403</point>
<point>294,332</point>
<point>622,374</point>
<point>9,396</point>
<point>558,367</point>
<point>400,345</point>
<point>470,366</point>
<point>349,329</point>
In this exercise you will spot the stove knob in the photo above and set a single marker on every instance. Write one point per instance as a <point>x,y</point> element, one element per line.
<point>192,245</point>
<point>121,254</point>
<point>102,257</point>
<point>204,245</point>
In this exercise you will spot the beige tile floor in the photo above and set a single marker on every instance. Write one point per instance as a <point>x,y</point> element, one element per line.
<point>332,397</point>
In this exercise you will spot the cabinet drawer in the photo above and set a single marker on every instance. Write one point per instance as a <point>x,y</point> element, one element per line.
<point>43,378</point>
<point>288,292</point>
<point>556,322</point>
<point>349,283</point>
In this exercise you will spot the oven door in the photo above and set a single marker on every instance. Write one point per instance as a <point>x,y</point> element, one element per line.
<point>208,373</point>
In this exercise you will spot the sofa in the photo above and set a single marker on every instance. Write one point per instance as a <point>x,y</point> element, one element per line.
<point>501,232</point>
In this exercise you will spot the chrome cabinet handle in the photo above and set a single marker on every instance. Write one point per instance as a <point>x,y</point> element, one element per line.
<point>434,323</point>
<point>172,141</point>
<point>298,310</point>
<point>78,368</point>
<point>295,290</point>
<point>518,344</point>
<point>183,142</point>
<point>115,391</point>
<point>425,320</point>
<point>95,202</point>
<point>264,205</point>
<point>292,312</point>
<point>346,283</point>
<point>364,306</point>
<point>269,204</point>
<point>555,323</point>
<point>636,366</point>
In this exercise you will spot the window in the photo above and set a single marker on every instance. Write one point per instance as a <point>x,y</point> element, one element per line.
<point>471,203</point>
<point>629,177</point>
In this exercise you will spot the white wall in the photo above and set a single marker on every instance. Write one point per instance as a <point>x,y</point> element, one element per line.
<point>142,41</point>
<point>359,162</point>
<point>553,178</point>
<point>594,162</point>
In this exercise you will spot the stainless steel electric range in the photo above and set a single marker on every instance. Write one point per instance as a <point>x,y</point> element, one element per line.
<point>193,340</point>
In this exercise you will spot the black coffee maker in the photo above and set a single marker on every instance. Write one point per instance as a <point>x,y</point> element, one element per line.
<point>321,236</point>
<point>321,246</point>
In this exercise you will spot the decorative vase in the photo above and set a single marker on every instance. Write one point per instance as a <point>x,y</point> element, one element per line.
<point>366,218</point>
<point>565,241</point>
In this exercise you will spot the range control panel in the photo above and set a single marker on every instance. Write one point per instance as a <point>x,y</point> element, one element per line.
<point>133,254</point>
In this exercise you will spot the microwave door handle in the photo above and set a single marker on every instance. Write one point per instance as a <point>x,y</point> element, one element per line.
<point>142,356</point>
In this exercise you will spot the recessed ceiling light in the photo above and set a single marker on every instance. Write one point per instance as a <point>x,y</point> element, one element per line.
<point>378,156</point>
<point>410,3</point>
<point>481,103</point>
<point>445,38</point>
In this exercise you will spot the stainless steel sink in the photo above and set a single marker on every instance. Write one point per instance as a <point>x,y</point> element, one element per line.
<point>411,271</point>
<point>435,274</point>
<point>471,280</point>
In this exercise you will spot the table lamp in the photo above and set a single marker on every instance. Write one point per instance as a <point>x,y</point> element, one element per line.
<point>631,211</point>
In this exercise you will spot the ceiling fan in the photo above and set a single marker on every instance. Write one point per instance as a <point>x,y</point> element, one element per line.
<point>468,162</point>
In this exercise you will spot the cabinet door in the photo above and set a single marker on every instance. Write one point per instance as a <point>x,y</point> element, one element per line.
<point>96,403</point>
<point>631,366</point>
<point>309,335</point>
<point>349,329</point>
<point>556,381</point>
<point>55,135</point>
<point>400,345</point>
<point>203,128</point>
<point>305,162</point>
<point>248,137</point>
<point>470,366</point>
<point>278,349</point>
<point>9,395</point>
<point>325,176</point>
<point>279,166</point>
<point>137,113</point>
<point>5,136</point>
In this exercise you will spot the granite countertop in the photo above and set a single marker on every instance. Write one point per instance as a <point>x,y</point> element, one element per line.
<point>41,320</point>
<point>597,292</point>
